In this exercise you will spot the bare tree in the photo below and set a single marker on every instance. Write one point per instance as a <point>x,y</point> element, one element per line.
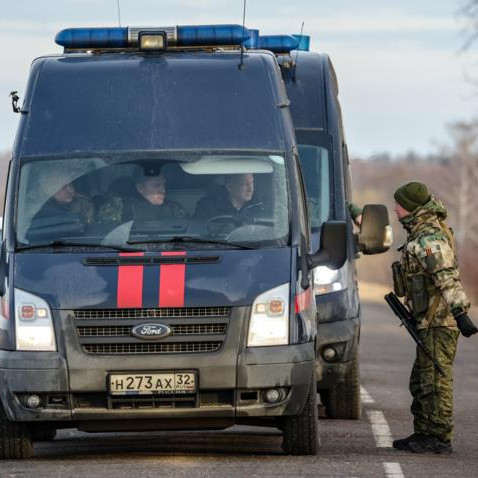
<point>470,12</point>
<point>466,155</point>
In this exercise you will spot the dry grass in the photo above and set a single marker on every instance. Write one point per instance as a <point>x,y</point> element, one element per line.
<point>372,292</point>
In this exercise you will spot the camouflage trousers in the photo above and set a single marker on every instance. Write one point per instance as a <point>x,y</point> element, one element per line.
<point>432,405</point>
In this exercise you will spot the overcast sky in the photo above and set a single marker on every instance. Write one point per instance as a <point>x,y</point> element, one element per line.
<point>402,78</point>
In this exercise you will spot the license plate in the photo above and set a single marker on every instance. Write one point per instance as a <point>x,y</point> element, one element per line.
<point>152,383</point>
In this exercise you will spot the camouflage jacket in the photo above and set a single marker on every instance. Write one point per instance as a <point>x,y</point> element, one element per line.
<point>118,209</point>
<point>355,211</point>
<point>428,255</point>
<point>80,205</point>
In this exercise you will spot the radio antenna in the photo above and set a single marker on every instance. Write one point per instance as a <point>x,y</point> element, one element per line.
<point>241,64</point>
<point>119,12</point>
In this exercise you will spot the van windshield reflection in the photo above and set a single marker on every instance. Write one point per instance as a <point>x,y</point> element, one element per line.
<point>212,201</point>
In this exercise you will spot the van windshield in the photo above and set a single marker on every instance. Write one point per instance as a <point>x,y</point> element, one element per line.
<point>314,161</point>
<point>152,203</point>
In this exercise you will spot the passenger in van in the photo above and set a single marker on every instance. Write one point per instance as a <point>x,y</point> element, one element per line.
<point>146,203</point>
<point>63,198</point>
<point>235,199</point>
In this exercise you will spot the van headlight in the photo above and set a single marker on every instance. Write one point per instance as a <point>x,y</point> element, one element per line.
<point>329,280</point>
<point>33,323</point>
<point>269,322</point>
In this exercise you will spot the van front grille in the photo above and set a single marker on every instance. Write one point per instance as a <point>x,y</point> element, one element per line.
<point>160,313</point>
<point>125,330</point>
<point>110,331</point>
<point>156,348</point>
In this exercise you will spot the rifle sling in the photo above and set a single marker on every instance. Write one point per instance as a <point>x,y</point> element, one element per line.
<point>432,310</point>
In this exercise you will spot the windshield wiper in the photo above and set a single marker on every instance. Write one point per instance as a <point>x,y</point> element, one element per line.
<point>191,239</point>
<point>63,243</point>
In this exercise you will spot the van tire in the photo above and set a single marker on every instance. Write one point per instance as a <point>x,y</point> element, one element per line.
<point>15,439</point>
<point>343,400</point>
<point>301,432</point>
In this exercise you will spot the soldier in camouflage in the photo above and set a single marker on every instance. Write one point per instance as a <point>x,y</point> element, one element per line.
<point>63,198</point>
<point>147,203</point>
<point>355,213</point>
<point>435,295</point>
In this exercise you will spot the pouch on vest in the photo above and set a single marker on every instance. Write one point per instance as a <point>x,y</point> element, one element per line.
<point>419,294</point>
<point>398,283</point>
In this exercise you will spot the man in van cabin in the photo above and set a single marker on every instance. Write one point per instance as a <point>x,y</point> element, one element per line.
<point>147,202</point>
<point>234,200</point>
<point>63,198</point>
<point>429,279</point>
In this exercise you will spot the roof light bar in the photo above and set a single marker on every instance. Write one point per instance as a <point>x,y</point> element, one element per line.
<point>212,35</point>
<point>201,35</point>
<point>278,43</point>
<point>304,42</point>
<point>93,38</point>
<point>253,41</point>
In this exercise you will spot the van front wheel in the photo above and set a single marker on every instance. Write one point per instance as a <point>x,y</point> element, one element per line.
<point>15,439</point>
<point>342,401</point>
<point>301,432</point>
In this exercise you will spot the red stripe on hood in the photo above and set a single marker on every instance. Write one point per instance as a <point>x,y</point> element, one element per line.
<point>172,282</point>
<point>130,284</point>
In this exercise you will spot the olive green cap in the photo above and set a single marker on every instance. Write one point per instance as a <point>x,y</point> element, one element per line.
<point>412,195</point>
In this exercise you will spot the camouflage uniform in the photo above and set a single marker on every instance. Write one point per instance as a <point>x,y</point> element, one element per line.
<point>355,211</point>
<point>80,205</point>
<point>429,264</point>
<point>137,208</point>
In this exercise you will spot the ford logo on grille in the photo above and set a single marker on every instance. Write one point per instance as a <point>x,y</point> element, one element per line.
<point>150,331</point>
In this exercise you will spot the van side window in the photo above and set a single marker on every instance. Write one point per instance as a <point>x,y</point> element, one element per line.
<point>315,166</point>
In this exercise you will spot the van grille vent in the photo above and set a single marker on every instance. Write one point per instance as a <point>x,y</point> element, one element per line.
<point>166,312</point>
<point>156,348</point>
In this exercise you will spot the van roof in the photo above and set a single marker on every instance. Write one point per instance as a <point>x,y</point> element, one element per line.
<point>134,101</point>
<point>307,87</point>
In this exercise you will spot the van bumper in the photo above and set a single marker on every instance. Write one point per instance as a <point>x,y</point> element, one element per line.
<point>342,336</point>
<point>45,374</point>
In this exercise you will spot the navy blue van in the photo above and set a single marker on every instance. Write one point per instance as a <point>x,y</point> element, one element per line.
<point>312,89</point>
<point>156,267</point>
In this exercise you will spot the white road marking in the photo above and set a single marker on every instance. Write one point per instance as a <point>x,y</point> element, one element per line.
<point>365,396</point>
<point>393,470</point>
<point>380,429</point>
<point>381,433</point>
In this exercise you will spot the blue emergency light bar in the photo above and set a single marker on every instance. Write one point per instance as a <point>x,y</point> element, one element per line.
<point>128,37</point>
<point>253,41</point>
<point>304,42</point>
<point>278,43</point>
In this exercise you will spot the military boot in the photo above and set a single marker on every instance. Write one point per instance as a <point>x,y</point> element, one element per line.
<point>402,444</point>
<point>430,444</point>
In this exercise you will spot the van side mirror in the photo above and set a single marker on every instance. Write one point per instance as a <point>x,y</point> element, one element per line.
<point>375,234</point>
<point>333,246</point>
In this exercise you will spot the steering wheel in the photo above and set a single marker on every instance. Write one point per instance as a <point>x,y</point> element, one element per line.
<point>224,223</point>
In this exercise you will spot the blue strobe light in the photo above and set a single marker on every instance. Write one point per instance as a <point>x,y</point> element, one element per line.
<point>185,36</point>
<point>278,43</point>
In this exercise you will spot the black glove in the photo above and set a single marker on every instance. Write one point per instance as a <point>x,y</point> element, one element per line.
<point>466,326</point>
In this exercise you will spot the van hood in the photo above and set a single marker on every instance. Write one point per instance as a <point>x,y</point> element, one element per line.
<point>151,280</point>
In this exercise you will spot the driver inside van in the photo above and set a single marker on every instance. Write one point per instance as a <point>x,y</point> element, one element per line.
<point>146,203</point>
<point>235,199</point>
<point>63,198</point>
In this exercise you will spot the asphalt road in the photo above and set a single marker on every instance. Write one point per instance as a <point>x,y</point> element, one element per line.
<point>349,448</point>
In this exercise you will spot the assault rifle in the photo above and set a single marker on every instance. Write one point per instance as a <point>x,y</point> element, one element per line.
<point>409,323</point>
